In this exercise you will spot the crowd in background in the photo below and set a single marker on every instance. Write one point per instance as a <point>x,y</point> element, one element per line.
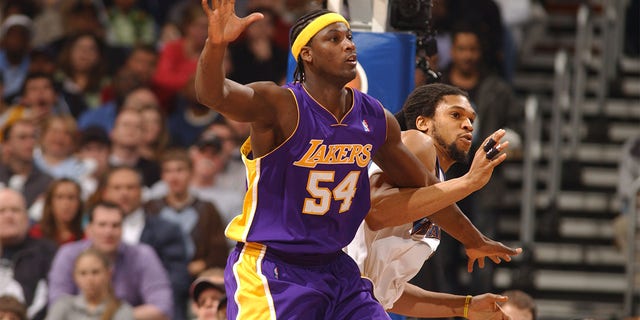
<point>119,183</point>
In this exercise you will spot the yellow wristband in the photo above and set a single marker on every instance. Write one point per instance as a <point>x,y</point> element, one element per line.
<point>466,306</point>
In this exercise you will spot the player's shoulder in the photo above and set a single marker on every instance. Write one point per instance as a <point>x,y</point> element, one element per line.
<point>416,139</point>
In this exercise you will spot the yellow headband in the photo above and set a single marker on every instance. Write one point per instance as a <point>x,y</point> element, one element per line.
<point>312,28</point>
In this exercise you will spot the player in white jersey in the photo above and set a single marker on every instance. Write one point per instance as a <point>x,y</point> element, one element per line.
<point>442,122</point>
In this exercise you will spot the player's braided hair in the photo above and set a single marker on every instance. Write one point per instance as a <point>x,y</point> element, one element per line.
<point>424,100</point>
<point>298,74</point>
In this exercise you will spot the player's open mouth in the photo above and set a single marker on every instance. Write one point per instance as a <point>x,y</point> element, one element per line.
<point>352,59</point>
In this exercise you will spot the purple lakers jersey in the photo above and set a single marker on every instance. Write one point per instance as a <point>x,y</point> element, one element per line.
<point>311,193</point>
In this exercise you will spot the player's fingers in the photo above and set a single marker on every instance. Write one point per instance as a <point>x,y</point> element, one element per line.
<point>252,18</point>
<point>470,264</point>
<point>205,6</point>
<point>481,263</point>
<point>495,259</point>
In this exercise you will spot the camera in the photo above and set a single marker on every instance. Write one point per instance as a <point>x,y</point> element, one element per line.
<point>415,16</point>
<point>410,14</point>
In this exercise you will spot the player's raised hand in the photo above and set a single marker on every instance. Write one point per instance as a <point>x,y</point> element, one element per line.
<point>485,307</point>
<point>491,249</point>
<point>486,159</point>
<point>224,25</point>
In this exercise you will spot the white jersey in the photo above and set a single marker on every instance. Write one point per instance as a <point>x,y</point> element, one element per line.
<point>391,257</point>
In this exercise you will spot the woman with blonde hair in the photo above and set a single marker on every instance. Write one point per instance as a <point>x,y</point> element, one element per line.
<point>96,301</point>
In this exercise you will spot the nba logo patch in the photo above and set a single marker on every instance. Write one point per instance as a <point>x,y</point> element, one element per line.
<point>365,125</point>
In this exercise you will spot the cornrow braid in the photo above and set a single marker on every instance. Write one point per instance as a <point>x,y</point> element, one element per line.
<point>301,23</point>
<point>424,100</point>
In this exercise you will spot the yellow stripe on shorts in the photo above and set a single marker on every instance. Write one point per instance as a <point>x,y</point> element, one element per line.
<point>252,295</point>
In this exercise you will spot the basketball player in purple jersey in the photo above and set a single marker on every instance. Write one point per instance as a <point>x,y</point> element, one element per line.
<point>306,160</point>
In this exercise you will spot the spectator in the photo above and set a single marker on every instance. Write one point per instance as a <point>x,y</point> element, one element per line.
<point>92,273</point>
<point>130,94</point>
<point>39,100</point>
<point>492,97</point>
<point>233,175</point>
<point>155,136</point>
<point>123,186</point>
<point>126,140</point>
<point>78,16</point>
<point>178,59</point>
<point>138,277</point>
<point>93,150</point>
<point>15,34</point>
<point>62,213</point>
<point>209,162</point>
<point>129,26</point>
<point>140,65</point>
<point>18,171</point>
<point>42,61</point>
<point>520,305</point>
<point>190,118</point>
<point>12,309</point>
<point>201,224</point>
<point>55,155</point>
<point>207,292</point>
<point>29,257</point>
<point>257,57</point>
<point>81,71</point>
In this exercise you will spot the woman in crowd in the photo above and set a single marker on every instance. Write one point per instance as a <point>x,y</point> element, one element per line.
<point>81,72</point>
<point>92,275</point>
<point>62,213</point>
<point>155,136</point>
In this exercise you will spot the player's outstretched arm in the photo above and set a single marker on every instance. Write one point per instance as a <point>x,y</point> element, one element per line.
<point>417,302</point>
<point>410,204</point>
<point>239,102</point>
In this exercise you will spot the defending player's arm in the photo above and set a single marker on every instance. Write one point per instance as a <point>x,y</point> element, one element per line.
<point>417,302</point>
<point>410,204</point>
<point>246,103</point>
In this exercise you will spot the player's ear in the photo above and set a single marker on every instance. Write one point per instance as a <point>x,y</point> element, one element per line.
<point>423,123</point>
<point>305,54</point>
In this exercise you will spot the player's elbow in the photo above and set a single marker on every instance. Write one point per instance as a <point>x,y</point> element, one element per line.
<point>376,219</point>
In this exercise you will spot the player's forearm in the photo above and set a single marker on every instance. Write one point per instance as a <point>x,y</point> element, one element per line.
<point>210,76</point>
<point>411,204</point>
<point>456,224</point>
<point>417,302</point>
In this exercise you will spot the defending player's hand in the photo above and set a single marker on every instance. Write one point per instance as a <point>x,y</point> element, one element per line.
<point>224,25</point>
<point>491,249</point>
<point>485,307</point>
<point>486,159</point>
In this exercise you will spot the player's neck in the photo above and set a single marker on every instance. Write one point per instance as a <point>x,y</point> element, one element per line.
<point>336,99</point>
<point>444,160</point>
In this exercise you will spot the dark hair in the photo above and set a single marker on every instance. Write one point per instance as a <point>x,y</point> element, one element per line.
<point>104,204</point>
<point>424,100</point>
<point>521,300</point>
<point>97,70</point>
<point>37,75</point>
<point>48,222</point>
<point>301,23</point>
